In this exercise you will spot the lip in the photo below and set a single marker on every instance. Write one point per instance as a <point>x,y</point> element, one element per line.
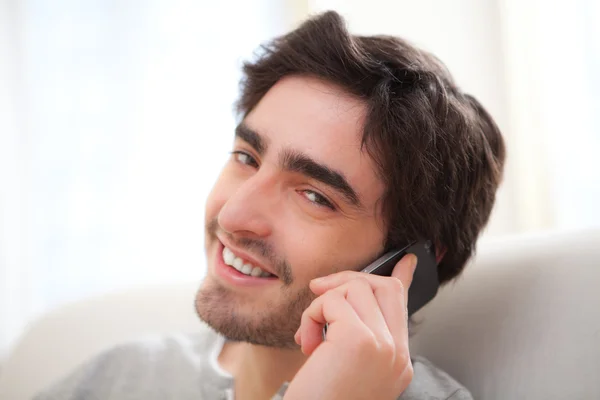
<point>245,256</point>
<point>234,277</point>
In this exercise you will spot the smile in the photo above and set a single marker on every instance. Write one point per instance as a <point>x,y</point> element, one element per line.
<point>243,266</point>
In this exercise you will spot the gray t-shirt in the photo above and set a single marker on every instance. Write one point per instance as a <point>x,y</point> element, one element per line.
<point>186,367</point>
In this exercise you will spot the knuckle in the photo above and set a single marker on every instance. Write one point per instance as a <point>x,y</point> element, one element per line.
<point>306,313</point>
<point>361,283</point>
<point>396,285</point>
<point>346,274</point>
<point>403,359</point>
<point>387,348</point>
<point>365,342</point>
<point>331,295</point>
<point>408,374</point>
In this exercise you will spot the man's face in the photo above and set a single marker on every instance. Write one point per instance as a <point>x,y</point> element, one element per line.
<point>297,199</point>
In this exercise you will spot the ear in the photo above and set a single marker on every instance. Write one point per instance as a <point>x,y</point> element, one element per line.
<point>440,252</point>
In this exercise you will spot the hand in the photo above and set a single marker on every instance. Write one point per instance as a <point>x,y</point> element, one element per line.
<point>365,354</point>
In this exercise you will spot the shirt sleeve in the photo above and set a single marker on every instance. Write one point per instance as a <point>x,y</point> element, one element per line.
<point>460,394</point>
<point>80,384</point>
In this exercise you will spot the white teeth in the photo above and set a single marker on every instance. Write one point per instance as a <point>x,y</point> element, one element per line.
<point>245,268</point>
<point>238,263</point>
<point>228,256</point>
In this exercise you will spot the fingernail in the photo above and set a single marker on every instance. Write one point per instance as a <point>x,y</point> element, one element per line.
<point>318,280</point>
<point>413,262</point>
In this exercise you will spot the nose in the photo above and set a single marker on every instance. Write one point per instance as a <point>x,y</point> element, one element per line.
<point>250,209</point>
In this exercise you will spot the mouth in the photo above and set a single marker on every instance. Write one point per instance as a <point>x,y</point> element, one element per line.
<point>238,269</point>
<point>242,265</point>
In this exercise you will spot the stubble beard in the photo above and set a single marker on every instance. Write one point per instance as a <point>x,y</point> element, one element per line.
<point>270,323</point>
<point>274,325</point>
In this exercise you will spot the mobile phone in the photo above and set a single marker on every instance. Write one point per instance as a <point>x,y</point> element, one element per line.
<point>425,282</point>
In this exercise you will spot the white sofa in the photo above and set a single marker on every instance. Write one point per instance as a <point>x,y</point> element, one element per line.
<point>522,323</point>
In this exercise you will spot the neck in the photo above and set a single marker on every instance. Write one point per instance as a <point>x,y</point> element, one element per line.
<point>259,371</point>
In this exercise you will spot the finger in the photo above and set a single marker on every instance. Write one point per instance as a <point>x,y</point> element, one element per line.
<point>391,294</point>
<point>404,271</point>
<point>359,293</point>
<point>328,282</point>
<point>382,307</point>
<point>323,284</point>
<point>393,307</point>
<point>332,308</point>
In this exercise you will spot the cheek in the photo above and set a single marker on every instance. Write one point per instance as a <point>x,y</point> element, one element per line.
<point>316,251</point>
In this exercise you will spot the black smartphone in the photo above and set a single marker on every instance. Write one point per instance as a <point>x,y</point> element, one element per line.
<point>425,282</point>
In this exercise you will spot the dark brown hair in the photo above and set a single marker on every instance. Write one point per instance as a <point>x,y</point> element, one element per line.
<point>438,151</point>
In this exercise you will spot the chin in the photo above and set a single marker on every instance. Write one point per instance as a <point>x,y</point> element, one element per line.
<point>244,320</point>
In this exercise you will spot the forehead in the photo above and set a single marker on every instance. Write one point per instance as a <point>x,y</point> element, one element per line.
<point>324,111</point>
<point>321,120</point>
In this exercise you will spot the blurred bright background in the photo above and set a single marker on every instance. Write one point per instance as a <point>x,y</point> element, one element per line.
<point>116,116</point>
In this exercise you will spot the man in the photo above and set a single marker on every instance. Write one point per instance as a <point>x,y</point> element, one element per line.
<point>348,146</point>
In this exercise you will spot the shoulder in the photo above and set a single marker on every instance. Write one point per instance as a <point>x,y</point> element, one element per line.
<point>145,365</point>
<point>430,382</point>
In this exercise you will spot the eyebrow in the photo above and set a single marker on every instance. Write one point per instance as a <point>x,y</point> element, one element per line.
<point>251,137</point>
<point>294,161</point>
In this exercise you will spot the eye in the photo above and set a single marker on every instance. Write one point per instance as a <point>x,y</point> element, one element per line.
<point>244,158</point>
<point>318,199</point>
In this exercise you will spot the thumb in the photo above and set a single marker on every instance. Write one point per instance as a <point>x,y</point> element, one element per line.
<point>404,271</point>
